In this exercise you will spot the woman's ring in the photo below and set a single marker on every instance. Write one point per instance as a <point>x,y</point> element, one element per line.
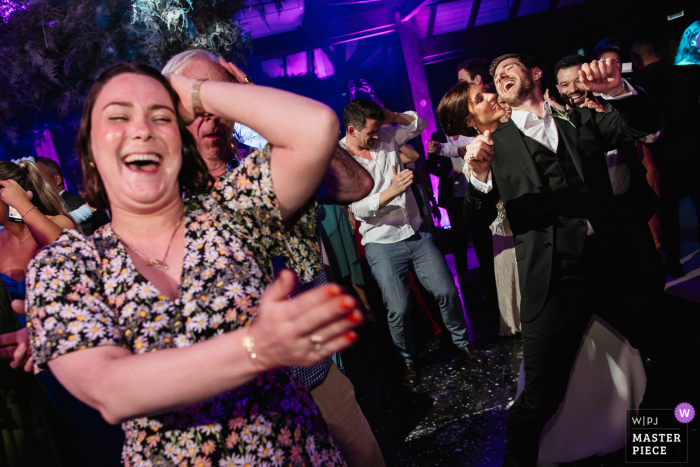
<point>316,342</point>
<point>247,80</point>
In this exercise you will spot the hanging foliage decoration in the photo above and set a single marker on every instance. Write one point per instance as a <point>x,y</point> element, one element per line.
<point>51,50</point>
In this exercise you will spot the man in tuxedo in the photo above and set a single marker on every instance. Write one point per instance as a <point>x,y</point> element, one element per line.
<point>549,169</point>
<point>54,176</point>
<point>676,152</point>
<point>636,200</point>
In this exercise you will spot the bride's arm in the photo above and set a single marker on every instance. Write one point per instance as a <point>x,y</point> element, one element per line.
<point>303,132</point>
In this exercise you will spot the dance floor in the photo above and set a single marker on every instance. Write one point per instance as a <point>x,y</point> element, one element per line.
<point>457,415</point>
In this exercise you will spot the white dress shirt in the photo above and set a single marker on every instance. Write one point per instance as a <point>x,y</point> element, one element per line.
<point>451,150</point>
<point>544,131</point>
<point>400,218</point>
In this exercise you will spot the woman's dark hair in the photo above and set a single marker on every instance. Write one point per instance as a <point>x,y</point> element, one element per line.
<point>453,111</point>
<point>29,177</point>
<point>194,177</point>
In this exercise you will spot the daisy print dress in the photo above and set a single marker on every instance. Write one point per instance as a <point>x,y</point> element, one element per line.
<point>86,292</point>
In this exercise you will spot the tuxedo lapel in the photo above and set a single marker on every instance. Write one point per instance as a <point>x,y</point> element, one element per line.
<point>569,136</point>
<point>516,150</point>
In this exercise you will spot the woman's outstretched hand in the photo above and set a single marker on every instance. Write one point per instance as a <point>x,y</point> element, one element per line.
<point>304,330</point>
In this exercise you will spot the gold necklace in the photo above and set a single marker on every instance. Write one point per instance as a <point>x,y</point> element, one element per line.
<point>16,244</point>
<point>158,264</point>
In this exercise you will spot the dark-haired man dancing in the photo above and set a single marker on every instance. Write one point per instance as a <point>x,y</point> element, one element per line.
<point>395,241</point>
<point>549,169</point>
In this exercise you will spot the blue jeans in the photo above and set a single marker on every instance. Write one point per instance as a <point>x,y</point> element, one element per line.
<point>391,263</point>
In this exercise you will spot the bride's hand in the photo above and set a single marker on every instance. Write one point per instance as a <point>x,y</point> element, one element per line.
<point>183,88</point>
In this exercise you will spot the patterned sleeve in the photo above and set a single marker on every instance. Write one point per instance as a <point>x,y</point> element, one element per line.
<point>65,301</point>
<point>248,195</point>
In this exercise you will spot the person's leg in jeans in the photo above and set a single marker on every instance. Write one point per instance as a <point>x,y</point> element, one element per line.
<point>390,263</point>
<point>458,230</point>
<point>432,272</point>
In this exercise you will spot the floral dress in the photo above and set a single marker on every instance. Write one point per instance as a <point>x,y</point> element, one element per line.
<point>86,292</point>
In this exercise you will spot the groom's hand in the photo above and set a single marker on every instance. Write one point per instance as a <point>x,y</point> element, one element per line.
<point>479,155</point>
<point>602,76</point>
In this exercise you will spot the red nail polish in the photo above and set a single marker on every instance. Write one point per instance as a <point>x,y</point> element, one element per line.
<point>347,303</point>
<point>351,336</point>
<point>355,317</point>
<point>333,290</point>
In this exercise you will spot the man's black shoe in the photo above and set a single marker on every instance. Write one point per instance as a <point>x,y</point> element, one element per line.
<point>472,355</point>
<point>410,377</point>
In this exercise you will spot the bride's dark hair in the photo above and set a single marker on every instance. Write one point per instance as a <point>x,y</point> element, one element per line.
<point>453,111</point>
<point>193,178</point>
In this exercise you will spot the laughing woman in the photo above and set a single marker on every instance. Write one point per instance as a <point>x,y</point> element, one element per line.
<point>168,320</point>
<point>467,110</point>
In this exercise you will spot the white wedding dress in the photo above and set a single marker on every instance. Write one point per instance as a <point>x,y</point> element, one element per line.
<point>607,377</point>
<point>506,272</point>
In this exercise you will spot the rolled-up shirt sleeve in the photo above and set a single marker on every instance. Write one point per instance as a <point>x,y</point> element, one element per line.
<point>405,133</point>
<point>366,207</point>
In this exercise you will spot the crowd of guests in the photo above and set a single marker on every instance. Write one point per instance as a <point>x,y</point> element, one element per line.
<point>192,298</point>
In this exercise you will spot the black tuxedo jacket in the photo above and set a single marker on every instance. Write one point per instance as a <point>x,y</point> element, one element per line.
<point>529,207</point>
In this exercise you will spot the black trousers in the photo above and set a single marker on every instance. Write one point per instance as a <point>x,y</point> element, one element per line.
<point>597,282</point>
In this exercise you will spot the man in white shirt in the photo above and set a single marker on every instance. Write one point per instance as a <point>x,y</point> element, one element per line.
<point>395,242</point>
<point>572,251</point>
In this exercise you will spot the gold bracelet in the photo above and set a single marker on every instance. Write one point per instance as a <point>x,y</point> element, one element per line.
<point>197,107</point>
<point>30,210</point>
<point>249,344</point>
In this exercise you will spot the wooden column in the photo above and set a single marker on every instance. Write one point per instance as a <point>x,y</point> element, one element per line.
<point>416,75</point>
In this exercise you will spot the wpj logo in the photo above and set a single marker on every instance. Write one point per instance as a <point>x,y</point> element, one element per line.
<point>659,435</point>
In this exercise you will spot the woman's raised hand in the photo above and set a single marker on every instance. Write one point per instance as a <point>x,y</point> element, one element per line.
<point>183,88</point>
<point>14,195</point>
<point>304,330</point>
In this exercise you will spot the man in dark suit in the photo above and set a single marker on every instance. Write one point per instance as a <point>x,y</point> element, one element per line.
<point>549,169</point>
<point>676,152</point>
<point>54,176</point>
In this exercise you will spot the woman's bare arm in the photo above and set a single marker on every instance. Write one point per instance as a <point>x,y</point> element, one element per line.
<point>123,386</point>
<point>303,132</point>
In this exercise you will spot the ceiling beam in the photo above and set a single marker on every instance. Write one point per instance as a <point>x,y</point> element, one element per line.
<point>513,13</point>
<point>486,38</point>
<point>473,14</point>
<point>409,9</point>
<point>431,21</point>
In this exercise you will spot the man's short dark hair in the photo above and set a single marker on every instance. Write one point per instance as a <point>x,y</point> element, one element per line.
<point>529,61</point>
<point>567,62</point>
<point>644,46</point>
<point>599,53</point>
<point>358,111</point>
<point>476,66</point>
<point>50,164</point>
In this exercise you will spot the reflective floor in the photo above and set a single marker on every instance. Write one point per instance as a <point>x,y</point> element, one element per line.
<point>456,415</point>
